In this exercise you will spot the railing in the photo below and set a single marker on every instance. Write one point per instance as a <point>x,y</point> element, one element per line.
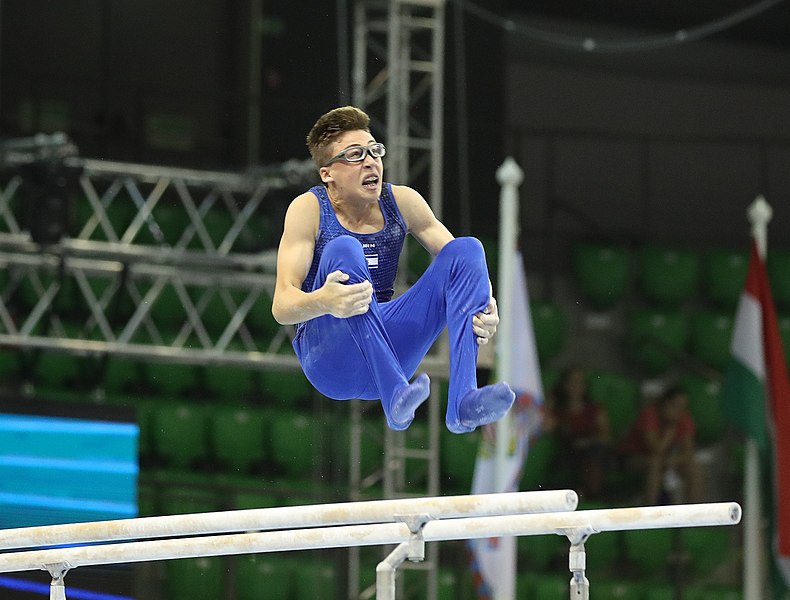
<point>406,522</point>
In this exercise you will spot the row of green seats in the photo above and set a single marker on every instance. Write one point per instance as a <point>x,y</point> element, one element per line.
<point>667,276</point>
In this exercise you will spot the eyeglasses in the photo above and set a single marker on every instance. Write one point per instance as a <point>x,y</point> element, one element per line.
<point>356,154</point>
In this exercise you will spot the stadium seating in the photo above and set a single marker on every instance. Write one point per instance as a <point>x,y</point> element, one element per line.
<point>458,455</point>
<point>619,395</point>
<point>538,467</point>
<point>705,407</point>
<point>667,276</point>
<point>266,575</point>
<point>236,437</point>
<point>294,439</point>
<point>180,431</point>
<point>195,578</point>
<point>707,548</point>
<point>316,579</point>
<point>711,337</point>
<point>549,323</point>
<point>657,338</point>
<point>602,272</point>
<point>723,276</point>
<point>649,551</point>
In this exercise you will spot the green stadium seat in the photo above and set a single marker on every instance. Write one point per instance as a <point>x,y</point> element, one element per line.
<point>649,551</point>
<point>711,337</point>
<point>124,375</point>
<point>603,552</point>
<point>668,276</point>
<point>619,395</point>
<point>551,587</point>
<point>145,419</point>
<point>288,388</point>
<point>260,319</point>
<point>778,264</point>
<point>659,591</point>
<point>266,575</point>
<point>180,433</point>
<point>458,455</point>
<point>371,450</point>
<point>236,436</point>
<point>9,365</point>
<point>723,277</point>
<point>700,591</point>
<point>180,497</point>
<point>230,383</point>
<point>57,370</point>
<point>707,547</point>
<point>705,407</point>
<point>657,338</point>
<point>247,500</point>
<point>195,578</point>
<point>316,580</point>
<point>550,325</point>
<point>616,590</point>
<point>602,273</point>
<point>174,379</point>
<point>294,442</point>
<point>447,584</point>
<point>538,466</point>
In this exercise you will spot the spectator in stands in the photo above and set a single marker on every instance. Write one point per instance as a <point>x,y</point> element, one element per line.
<point>336,268</point>
<point>660,444</point>
<point>581,427</point>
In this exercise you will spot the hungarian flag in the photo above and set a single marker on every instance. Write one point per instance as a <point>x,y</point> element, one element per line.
<point>494,559</point>
<point>756,395</point>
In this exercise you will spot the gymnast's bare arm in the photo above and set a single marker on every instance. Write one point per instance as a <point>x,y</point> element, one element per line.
<point>290,304</point>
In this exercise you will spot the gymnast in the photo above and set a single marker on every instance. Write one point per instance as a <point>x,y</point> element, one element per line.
<point>336,268</point>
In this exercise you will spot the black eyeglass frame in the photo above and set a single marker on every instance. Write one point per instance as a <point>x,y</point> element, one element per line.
<point>376,150</point>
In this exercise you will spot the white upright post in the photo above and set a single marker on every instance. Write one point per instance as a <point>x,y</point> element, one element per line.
<point>759,214</point>
<point>509,176</point>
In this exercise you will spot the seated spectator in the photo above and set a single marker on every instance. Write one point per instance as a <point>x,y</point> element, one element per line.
<point>581,427</point>
<point>660,444</point>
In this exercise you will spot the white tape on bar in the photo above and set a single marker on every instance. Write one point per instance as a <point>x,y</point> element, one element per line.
<point>692,515</point>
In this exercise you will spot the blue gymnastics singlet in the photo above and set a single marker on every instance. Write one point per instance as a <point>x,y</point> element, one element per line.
<point>382,249</point>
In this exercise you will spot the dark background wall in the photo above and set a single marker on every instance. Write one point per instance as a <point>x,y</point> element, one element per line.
<point>667,144</point>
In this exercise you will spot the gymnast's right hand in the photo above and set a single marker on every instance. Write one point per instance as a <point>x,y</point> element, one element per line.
<point>344,300</point>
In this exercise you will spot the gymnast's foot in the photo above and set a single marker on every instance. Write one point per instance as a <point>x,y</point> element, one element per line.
<point>406,400</point>
<point>483,406</point>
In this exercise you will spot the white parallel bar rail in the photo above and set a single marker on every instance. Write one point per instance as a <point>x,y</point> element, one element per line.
<point>410,531</point>
<point>615,519</point>
<point>290,517</point>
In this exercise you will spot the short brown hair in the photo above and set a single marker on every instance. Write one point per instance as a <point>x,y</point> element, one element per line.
<point>329,126</point>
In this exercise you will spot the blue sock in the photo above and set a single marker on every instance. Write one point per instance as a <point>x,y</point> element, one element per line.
<point>406,400</point>
<point>483,406</point>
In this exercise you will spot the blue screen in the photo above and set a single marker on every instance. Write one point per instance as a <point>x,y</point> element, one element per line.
<point>62,469</point>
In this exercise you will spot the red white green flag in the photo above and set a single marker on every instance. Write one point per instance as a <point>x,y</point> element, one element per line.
<point>756,395</point>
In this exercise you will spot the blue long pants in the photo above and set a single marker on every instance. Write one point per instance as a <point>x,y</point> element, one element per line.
<point>368,356</point>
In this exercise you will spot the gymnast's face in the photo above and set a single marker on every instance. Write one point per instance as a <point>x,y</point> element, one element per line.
<point>358,179</point>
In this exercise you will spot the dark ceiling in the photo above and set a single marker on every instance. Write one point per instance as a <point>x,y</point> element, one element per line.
<point>771,27</point>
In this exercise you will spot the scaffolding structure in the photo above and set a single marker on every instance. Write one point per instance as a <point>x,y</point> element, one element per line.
<point>171,265</point>
<point>398,72</point>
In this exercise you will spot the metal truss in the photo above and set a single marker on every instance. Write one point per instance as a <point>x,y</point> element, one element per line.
<point>157,264</point>
<point>397,77</point>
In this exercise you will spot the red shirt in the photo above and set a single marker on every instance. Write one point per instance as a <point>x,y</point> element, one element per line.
<point>648,420</point>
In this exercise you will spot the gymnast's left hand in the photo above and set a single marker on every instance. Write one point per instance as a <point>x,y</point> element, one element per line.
<point>484,323</point>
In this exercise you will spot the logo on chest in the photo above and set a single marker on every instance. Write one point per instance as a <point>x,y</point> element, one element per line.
<point>371,254</point>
